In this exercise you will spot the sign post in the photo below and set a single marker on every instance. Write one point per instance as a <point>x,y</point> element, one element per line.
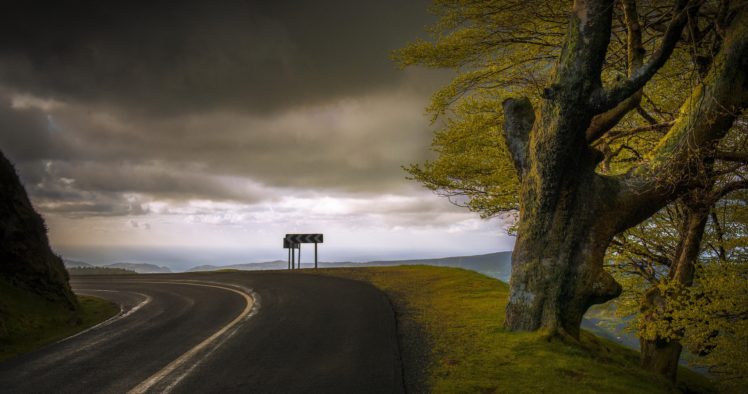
<point>291,253</point>
<point>295,241</point>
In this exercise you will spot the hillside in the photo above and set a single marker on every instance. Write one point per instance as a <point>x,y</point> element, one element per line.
<point>450,326</point>
<point>26,259</point>
<point>37,305</point>
<point>497,265</point>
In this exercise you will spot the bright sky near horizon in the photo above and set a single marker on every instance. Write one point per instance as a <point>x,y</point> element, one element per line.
<point>192,133</point>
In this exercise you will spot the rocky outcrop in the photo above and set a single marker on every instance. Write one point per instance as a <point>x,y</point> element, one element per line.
<point>26,259</point>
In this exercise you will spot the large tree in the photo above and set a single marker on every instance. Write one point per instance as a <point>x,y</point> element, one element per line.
<point>569,209</point>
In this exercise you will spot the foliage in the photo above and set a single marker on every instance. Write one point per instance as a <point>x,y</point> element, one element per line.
<point>467,350</point>
<point>494,47</point>
<point>710,318</point>
<point>502,48</point>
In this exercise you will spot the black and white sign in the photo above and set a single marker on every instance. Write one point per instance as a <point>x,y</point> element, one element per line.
<point>304,238</point>
<point>293,242</point>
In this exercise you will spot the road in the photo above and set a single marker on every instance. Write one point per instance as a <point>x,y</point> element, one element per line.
<point>257,332</point>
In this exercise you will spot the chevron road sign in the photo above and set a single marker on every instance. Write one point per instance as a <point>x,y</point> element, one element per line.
<point>305,238</point>
<point>294,241</point>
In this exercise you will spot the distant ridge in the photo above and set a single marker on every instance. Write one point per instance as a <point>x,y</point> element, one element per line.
<point>76,264</point>
<point>497,265</point>
<point>141,268</point>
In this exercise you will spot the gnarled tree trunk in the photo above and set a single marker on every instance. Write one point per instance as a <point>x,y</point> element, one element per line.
<point>568,212</point>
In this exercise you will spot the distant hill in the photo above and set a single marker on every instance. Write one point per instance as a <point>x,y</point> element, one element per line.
<point>75,263</point>
<point>141,268</point>
<point>497,265</point>
<point>91,270</point>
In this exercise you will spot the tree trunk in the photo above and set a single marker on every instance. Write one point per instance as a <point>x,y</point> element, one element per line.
<point>557,263</point>
<point>659,354</point>
<point>568,213</point>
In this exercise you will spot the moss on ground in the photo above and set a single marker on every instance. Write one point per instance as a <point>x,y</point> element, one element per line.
<point>450,323</point>
<point>29,321</point>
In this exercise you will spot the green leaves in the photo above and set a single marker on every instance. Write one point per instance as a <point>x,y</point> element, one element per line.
<point>473,167</point>
<point>497,48</point>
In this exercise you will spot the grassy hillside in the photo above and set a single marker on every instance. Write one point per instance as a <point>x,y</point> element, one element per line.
<point>453,341</point>
<point>29,321</point>
<point>26,260</point>
<point>497,265</point>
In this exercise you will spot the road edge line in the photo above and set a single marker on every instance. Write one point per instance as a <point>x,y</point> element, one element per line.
<point>185,357</point>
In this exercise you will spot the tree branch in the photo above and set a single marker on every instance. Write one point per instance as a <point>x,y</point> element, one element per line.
<point>720,236</point>
<point>607,99</point>
<point>579,68</point>
<point>616,134</point>
<point>727,189</point>
<point>604,122</point>
<point>704,119</point>
<point>739,157</point>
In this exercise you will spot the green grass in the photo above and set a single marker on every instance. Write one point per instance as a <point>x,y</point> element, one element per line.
<point>29,321</point>
<point>450,323</point>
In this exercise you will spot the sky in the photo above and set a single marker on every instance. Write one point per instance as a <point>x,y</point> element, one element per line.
<point>193,132</point>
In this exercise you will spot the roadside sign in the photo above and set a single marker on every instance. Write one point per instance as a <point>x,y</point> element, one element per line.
<point>305,238</point>
<point>294,241</point>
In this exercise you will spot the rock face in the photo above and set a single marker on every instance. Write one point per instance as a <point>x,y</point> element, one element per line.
<point>26,259</point>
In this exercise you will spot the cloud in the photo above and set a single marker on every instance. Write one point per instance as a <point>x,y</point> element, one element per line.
<point>353,145</point>
<point>172,123</point>
<point>162,57</point>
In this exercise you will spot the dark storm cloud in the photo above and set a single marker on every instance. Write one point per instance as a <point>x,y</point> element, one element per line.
<point>28,134</point>
<point>107,107</point>
<point>181,56</point>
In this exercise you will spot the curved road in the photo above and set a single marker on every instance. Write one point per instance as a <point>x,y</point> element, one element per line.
<point>258,332</point>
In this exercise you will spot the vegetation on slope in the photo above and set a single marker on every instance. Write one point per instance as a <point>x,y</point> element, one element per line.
<point>29,321</point>
<point>26,260</point>
<point>450,323</point>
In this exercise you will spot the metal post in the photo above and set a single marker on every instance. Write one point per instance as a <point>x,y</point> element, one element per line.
<point>289,258</point>
<point>315,255</point>
<point>293,258</point>
<point>299,255</point>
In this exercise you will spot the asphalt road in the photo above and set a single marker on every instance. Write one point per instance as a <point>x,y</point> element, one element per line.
<point>253,332</point>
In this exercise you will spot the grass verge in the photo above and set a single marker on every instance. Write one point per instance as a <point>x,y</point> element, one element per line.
<point>450,324</point>
<point>29,321</point>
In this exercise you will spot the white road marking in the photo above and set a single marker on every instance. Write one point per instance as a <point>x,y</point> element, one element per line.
<point>184,358</point>
<point>122,314</point>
